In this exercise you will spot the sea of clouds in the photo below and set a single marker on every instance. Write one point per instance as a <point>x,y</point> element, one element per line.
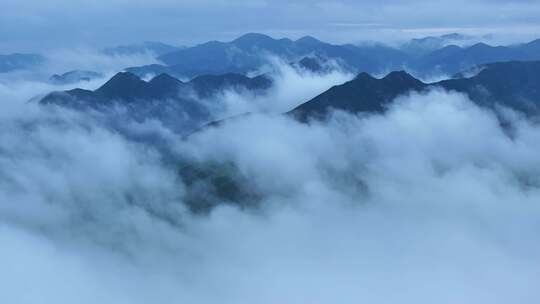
<point>431,202</point>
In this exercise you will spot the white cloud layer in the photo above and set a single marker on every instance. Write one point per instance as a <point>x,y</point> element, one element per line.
<point>431,202</point>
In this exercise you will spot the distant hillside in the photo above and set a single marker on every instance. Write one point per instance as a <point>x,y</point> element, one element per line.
<point>422,46</point>
<point>165,98</point>
<point>511,84</point>
<point>453,59</point>
<point>430,56</point>
<point>249,52</point>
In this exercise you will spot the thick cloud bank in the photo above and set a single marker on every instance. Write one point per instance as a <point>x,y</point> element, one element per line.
<point>432,202</point>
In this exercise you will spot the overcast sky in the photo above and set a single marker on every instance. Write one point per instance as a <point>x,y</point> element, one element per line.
<point>32,25</point>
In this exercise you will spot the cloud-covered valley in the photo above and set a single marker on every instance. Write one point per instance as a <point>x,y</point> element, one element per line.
<point>431,201</point>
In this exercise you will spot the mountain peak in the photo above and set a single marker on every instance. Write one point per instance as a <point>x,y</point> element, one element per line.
<point>252,38</point>
<point>363,94</point>
<point>398,75</point>
<point>364,76</point>
<point>308,40</point>
<point>480,46</point>
<point>401,77</point>
<point>121,83</point>
<point>165,78</point>
<point>123,78</point>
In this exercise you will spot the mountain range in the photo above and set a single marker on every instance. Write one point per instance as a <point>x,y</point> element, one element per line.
<point>183,108</point>
<point>129,88</point>
<point>511,84</point>
<point>175,103</point>
<point>453,59</point>
<point>421,46</point>
<point>426,57</point>
<point>250,52</point>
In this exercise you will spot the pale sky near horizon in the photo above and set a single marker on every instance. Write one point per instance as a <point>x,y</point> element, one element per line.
<point>34,25</point>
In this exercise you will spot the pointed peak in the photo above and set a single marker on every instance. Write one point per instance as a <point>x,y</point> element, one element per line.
<point>165,78</point>
<point>400,76</point>
<point>125,76</point>
<point>364,76</point>
<point>480,45</point>
<point>121,80</point>
<point>308,40</point>
<point>252,38</point>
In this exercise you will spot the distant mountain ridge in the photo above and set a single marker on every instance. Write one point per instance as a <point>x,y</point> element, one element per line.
<point>453,59</point>
<point>423,57</point>
<point>421,46</point>
<point>177,103</point>
<point>364,93</point>
<point>511,84</point>
<point>128,87</point>
<point>247,53</point>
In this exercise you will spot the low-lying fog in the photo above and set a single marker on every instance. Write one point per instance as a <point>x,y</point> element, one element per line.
<point>432,202</point>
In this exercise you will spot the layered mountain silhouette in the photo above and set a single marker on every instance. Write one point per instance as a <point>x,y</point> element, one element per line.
<point>423,57</point>
<point>313,64</point>
<point>453,59</point>
<point>175,103</point>
<point>365,93</point>
<point>250,52</point>
<point>510,84</point>
<point>421,46</point>
<point>129,88</point>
